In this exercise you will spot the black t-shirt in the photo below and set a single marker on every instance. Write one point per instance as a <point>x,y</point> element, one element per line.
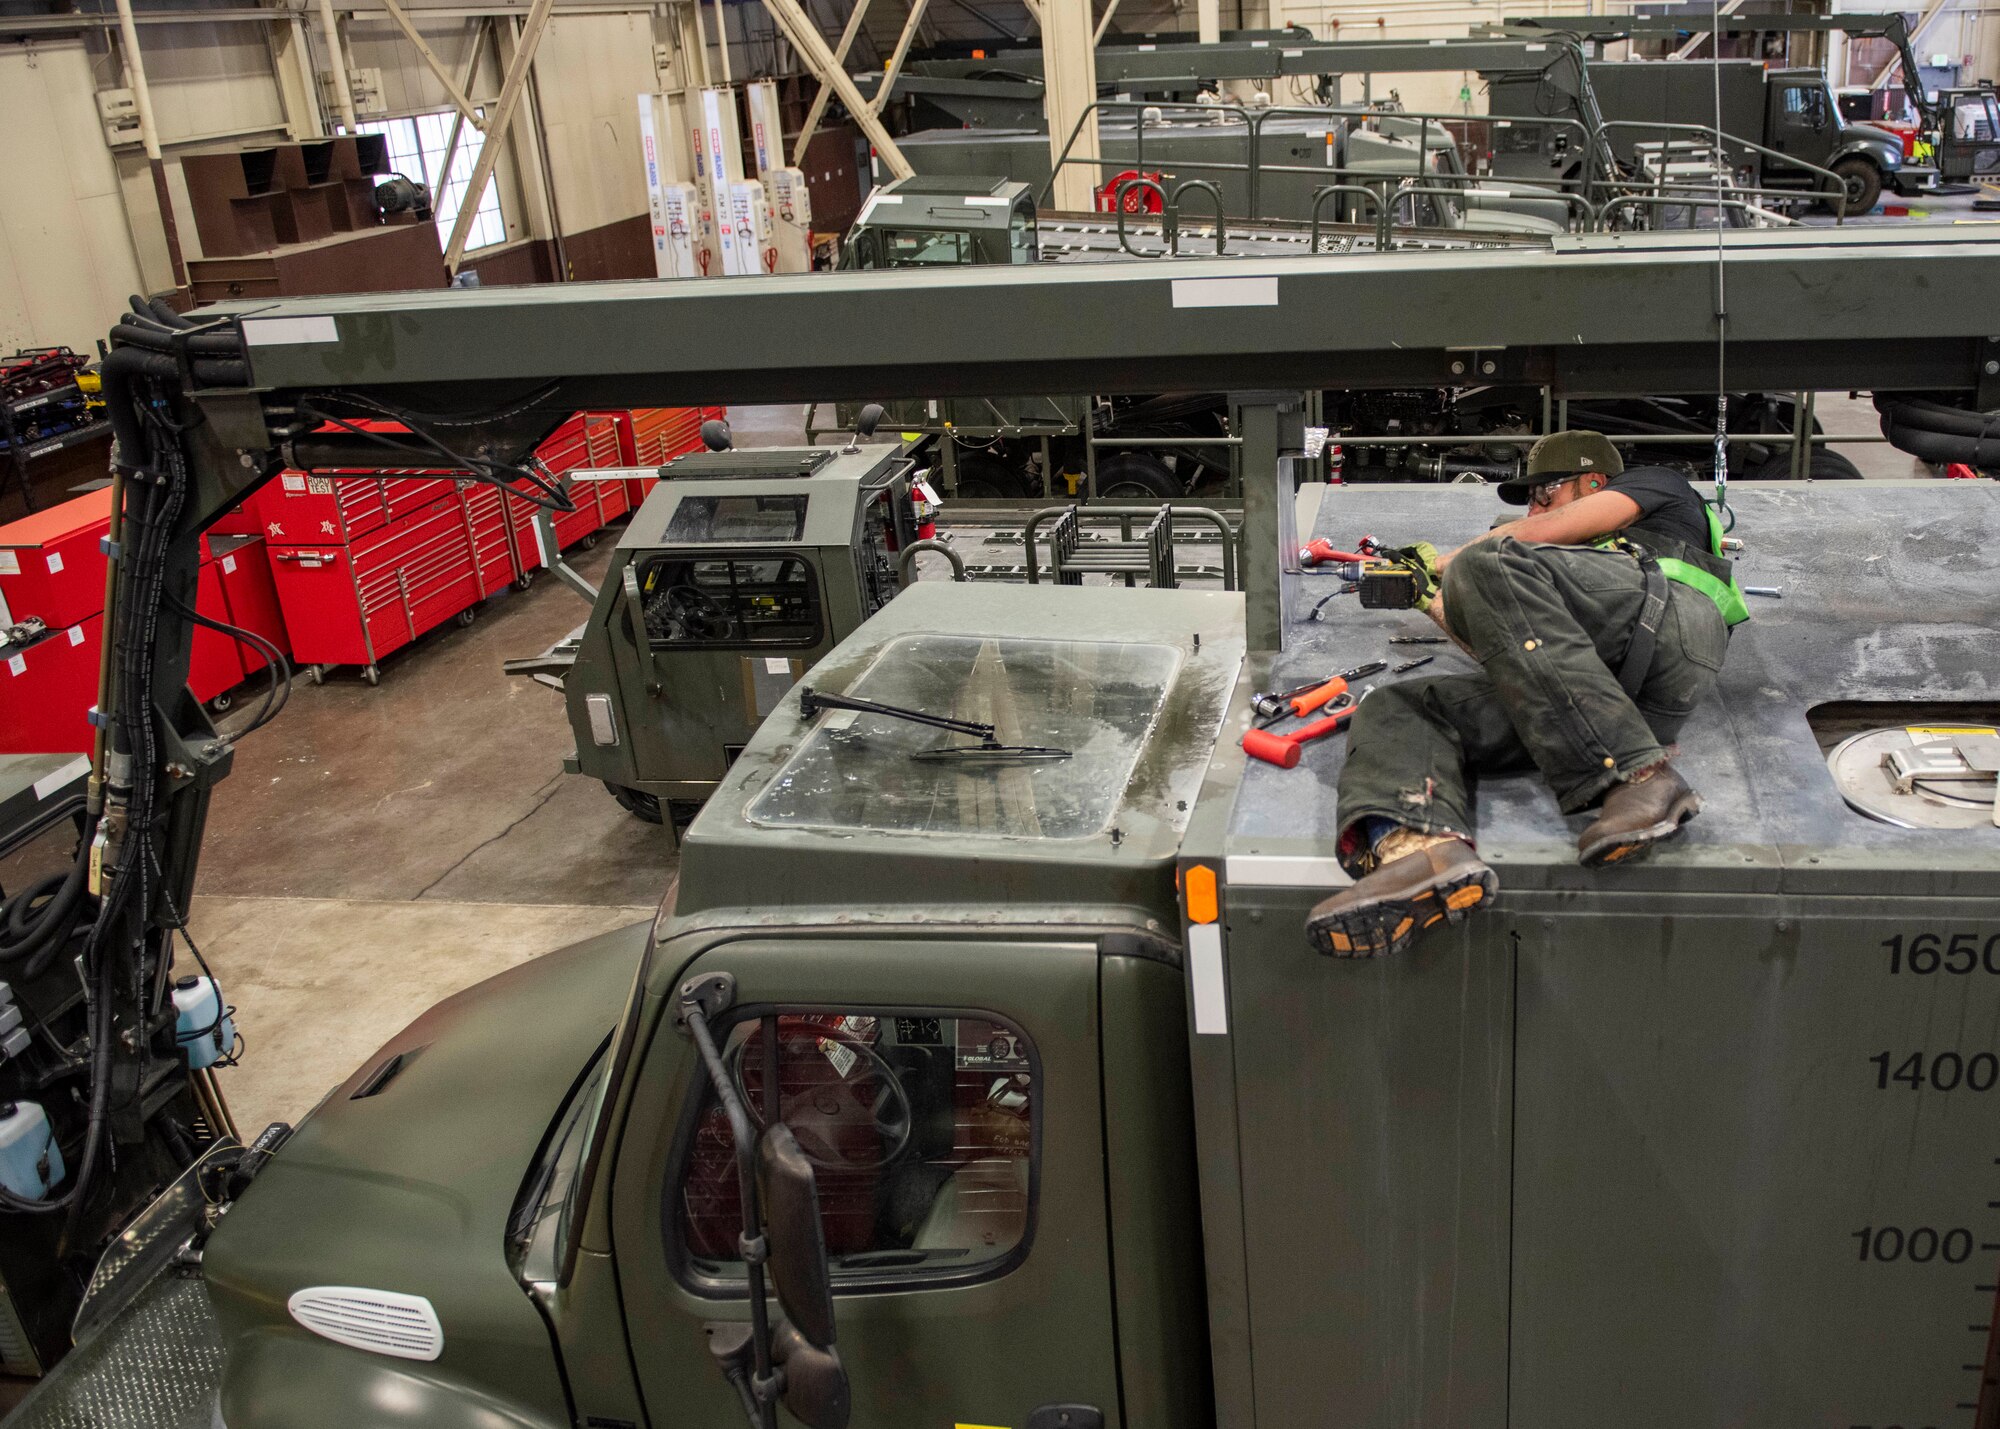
<point>1668,505</point>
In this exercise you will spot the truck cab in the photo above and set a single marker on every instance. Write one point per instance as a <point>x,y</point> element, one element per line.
<point>933,220</point>
<point>957,981</point>
<point>1802,122</point>
<point>740,570</point>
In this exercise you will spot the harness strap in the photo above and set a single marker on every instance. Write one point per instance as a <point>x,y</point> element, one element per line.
<point>1645,635</point>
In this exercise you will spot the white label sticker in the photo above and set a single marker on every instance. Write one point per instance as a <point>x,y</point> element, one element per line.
<point>1226,292</point>
<point>55,563</point>
<point>278,332</point>
<point>10,563</point>
<point>319,485</point>
<point>1211,1014</point>
<point>777,665</point>
<point>18,665</point>
<point>55,779</point>
<point>840,1054</point>
<point>229,565</point>
<point>293,482</point>
<point>76,635</point>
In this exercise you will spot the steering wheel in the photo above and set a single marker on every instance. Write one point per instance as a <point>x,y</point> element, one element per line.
<point>704,616</point>
<point>870,1095</point>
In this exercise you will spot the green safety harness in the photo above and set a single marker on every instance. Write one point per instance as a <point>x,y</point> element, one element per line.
<point>1710,573</point>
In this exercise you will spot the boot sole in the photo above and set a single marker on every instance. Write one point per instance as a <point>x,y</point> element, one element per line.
<point>1636,843</point>
<point>1388,925</point>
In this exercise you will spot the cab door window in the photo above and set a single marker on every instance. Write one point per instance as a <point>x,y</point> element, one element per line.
<point>730,601</point>
<point>921,1128</point>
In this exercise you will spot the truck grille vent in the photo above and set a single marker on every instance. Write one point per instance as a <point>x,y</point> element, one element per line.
<point>380,1320</point>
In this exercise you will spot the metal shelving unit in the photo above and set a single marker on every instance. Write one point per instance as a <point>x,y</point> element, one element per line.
<point>20,455</point>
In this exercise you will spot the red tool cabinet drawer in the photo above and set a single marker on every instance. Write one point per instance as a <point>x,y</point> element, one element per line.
<point>244,564</point>
<point>51,565</point>
<point>46,692</point>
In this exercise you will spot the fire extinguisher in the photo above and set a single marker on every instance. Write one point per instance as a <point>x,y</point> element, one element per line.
<point>923,508</point>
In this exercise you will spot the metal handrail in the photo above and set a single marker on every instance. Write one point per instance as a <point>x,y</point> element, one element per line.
<point>1118,204</point>
<point>1031,532</point>
<point>906,558</point>
<point>1173,234</point>
<point>1326,191</point>
<point>1688,199</point>
<point>1095,105</point>
<point>1837,193</point>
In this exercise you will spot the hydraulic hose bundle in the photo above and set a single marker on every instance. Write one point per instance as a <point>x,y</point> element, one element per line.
<point>1931,428</point>
<point>106,901</point>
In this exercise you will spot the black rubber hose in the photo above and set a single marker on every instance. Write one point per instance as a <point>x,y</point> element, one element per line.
<point>1926,415</point>
<point>1943,446</point>
<point>163,310</point>
<point>200,344</point>
<point>120,372</point>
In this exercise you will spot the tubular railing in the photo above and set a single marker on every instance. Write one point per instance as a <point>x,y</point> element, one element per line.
<point>1834,188</point>
<point>1125,515</point>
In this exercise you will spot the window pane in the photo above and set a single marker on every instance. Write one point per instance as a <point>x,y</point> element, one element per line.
<point>743,600</point>
<point>416,150</point>
<point>919,1128</point>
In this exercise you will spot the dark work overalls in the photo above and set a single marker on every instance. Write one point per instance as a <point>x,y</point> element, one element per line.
<point>1551,627</point>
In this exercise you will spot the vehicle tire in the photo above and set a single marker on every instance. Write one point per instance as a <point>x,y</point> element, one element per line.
<point>1825,466</point>
<point>1864,183</point>
<point>982,476</point>
<point>1135,476</point>
<point>637,802</point>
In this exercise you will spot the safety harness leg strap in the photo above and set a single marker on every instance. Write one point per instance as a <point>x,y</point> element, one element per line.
<point>1646,634</point>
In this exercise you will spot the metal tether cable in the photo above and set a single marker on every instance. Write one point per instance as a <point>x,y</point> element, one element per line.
<point>1722,160</point>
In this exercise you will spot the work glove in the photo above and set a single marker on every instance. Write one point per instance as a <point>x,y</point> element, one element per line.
<point>1401,578</point>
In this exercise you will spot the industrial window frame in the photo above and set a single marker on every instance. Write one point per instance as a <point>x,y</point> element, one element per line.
<point>422,141</point>
<point>731,1286</point>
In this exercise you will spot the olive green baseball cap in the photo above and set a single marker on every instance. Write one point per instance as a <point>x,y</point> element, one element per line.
<point>1562,454</point>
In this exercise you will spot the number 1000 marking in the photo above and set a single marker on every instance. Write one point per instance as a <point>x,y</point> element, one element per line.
<point>1920,1246</point>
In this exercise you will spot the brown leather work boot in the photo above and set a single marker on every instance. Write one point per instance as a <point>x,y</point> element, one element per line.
<point>1386,911</point>
<point>1636,815</point>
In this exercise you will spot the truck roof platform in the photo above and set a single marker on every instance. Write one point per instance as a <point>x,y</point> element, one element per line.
<point>1887,599</point>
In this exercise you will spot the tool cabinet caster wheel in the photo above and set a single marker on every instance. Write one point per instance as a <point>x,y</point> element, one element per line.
<point>372,675</point>
<point>220,703</point>
<point>467,616</point>
<point>317,673</point>
<point>589,543</point>
<point>524,580</point>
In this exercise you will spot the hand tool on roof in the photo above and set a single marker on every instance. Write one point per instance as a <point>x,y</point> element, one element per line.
<point>1284,750</point>
<point>1312,695</point>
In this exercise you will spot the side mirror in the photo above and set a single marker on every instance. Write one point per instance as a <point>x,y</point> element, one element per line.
<point>816,1390</point>
<point>715,435</point>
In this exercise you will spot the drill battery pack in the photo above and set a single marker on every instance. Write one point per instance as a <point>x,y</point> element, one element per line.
<point>1388,587</point>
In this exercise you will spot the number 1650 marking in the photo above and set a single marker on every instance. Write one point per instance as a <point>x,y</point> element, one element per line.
<point>1927,953</point>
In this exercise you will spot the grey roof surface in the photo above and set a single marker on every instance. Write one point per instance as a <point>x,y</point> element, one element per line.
<point>1889,594</point>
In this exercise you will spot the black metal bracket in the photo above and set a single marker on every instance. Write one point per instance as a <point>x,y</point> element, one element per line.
<point>1986,373</point>
<point>711,996</point>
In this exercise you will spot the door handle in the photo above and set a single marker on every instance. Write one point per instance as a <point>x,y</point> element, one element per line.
<point>1066,1416</point>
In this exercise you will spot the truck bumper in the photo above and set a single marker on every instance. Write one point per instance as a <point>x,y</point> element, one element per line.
<point>1913,179</point>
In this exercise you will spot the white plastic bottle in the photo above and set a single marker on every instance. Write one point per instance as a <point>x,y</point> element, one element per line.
<point>202,1027</point>
<point>31,1163</point>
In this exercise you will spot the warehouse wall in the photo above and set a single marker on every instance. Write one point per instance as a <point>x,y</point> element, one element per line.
<point>66,253</point>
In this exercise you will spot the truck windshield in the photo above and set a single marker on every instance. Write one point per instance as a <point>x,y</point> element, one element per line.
<point>1097,700</point>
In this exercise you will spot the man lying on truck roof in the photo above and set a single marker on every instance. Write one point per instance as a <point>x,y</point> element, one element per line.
<point>1599,621</point>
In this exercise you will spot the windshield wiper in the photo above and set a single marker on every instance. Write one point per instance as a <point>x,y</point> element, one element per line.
<point>989,749</point>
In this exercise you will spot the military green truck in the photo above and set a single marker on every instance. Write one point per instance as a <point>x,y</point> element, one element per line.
<point>738,572</point>
<point>1096,1139</point>
<point>1788,112</point>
